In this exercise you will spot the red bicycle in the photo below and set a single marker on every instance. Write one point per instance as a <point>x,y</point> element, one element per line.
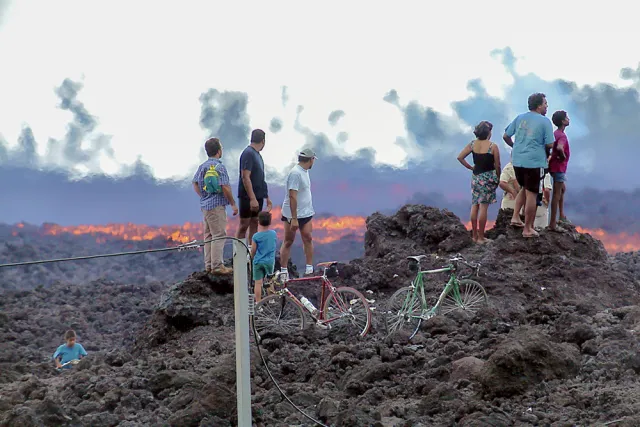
<point>282,310</point>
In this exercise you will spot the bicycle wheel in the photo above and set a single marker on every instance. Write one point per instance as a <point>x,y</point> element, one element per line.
<point>472,297</point>
<point>403,311</point>
<point>278,313</point>
<point>346,306</point>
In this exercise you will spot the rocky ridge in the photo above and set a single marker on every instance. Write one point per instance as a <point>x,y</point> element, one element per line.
<point>557,346</point>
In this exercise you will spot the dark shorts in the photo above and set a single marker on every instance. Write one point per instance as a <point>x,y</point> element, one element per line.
<point>244,208</point>
<point>558,177</point>
<point>301,221</point>
<point>260,271</point>
<point>529,178</point>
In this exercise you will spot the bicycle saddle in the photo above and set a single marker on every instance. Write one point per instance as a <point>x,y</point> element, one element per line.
<point>327,264</point>
<point>417,258</point>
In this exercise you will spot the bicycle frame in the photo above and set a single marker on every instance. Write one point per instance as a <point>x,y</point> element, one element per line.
<point>327,289</point>
<point>418,286</point>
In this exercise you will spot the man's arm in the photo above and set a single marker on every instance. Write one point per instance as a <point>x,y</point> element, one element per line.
<point>83,352</point>
<point>195,182</point>
<point>246,164</point>
<point>196,187</point>
<point>246,181</point>
<point>293,203</point>
<point>549,137</point>
<point>509,132</point>
<point>226,187</point>
<point>226,190</point>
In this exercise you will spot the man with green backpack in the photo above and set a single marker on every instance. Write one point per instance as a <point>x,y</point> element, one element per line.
<point>211,183</point>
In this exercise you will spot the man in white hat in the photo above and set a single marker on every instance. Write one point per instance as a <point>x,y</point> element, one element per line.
<point>297,211</point>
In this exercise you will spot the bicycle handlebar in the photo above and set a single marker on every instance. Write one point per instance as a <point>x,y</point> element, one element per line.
<point>460,258</point>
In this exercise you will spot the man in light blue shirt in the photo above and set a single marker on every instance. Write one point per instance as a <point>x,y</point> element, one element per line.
<point>533,133</point>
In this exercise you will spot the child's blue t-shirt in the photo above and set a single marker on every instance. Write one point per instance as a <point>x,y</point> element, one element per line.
<point>69,353</point>
<point>265,247</point>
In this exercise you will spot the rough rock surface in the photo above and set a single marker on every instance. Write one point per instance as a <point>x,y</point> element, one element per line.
<point>557,346</point>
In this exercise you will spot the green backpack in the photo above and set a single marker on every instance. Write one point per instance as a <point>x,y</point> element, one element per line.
<point>211,181</point>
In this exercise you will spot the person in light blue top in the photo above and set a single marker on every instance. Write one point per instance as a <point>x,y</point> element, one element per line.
<point>263,251</point>
<point>69,351</point>
<point>533,134</point>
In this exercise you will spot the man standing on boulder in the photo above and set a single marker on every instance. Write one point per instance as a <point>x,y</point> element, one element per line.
<point>211,183</point>
<point>533,132</point>
<point>252,186</point>
<point>297,211</point>
<point>558,166</point>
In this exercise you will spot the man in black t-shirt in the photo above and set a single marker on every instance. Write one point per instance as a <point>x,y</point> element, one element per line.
<point>252,186</point>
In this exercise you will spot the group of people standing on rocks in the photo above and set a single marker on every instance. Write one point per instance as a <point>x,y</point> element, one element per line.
<point>211,183</point>
<point>538,155</point>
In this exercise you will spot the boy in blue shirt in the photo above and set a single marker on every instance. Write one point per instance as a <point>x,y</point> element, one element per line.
<point>69,351</point>
<point>263,251</point>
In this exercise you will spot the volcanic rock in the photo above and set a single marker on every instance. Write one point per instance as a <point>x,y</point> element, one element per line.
<point>557,345</point>
<point>525,358</point>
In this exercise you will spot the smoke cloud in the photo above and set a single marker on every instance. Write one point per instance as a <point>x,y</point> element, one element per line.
<point>335,116</point>
<point>4,8</point>
<point>70,152</point>
<point>224,115</point>
<point>604,145</point>
<point>276,125</point>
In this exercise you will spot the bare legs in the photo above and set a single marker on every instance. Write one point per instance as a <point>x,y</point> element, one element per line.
<point>258,289</point>
<point>290,236</point>
<point>557,203</point>
<point>479,222</point>
<point>529,213</point>
<point>247,224</point>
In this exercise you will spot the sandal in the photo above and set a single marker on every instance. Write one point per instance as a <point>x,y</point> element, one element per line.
<point>529,236</point>
<point>517,224</point>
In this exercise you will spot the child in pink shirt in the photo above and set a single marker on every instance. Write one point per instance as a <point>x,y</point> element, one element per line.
<point>558,161</point>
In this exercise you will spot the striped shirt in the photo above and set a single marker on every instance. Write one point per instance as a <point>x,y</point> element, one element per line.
<point>210,201</point>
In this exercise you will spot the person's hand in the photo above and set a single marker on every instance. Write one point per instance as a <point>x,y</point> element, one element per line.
<point>253,204</point>
<point>514,194</point>
<point>58,364</point>
<point>294,224</point>
<point>235,209</point>
<point>269,205</point>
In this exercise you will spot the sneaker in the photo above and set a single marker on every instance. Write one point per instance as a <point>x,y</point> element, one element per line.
<point>283,276</point>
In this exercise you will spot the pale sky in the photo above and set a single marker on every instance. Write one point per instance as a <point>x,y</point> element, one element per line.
<point>144,65</point>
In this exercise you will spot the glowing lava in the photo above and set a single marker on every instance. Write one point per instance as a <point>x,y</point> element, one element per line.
<point>325,230</point>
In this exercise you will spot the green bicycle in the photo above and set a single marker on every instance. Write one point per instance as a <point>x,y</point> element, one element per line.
<point>408,306</point>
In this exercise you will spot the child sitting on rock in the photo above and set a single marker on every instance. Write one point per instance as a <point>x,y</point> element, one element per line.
<point>263,252</point>
<point>69,351</point>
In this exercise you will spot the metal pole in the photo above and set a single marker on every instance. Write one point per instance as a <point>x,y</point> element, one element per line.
<point>241,298</point>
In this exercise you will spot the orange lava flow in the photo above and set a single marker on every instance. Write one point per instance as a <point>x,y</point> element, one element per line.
<point>325,230</point>
<point>613,242</point>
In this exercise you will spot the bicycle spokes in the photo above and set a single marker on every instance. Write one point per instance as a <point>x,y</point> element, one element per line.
<point>278,313</point>
<point>468,295</point>
<point>348,307</point>
<point>403,311</point>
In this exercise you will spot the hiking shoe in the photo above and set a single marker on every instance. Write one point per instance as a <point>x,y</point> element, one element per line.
<point>222,270</point>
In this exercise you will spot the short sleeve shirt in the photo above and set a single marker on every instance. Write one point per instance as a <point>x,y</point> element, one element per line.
<point>532,132</point>
<point>251,160</point>
<point>299,180</point>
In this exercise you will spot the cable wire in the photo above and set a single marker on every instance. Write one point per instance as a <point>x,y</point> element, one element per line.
<point>195,244</point>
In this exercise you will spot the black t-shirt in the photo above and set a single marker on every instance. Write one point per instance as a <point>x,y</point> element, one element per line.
<point>251,160</point>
